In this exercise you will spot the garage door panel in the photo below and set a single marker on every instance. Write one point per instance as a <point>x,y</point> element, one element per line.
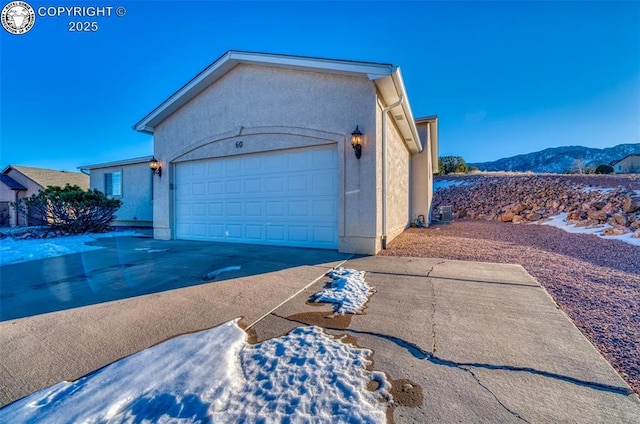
<point>273,185</point>
<point>284,198</point>
<point>234,231</point>
<point>299,208</point>
<point>275,233</point>
<point>215,187</point>
<point>232,164</point>
<point>326,208</point>
<point>298,183</point>
<point>253,209</point>
<point>274,209</point>
<point>253,185</point>
<point>299,233</point>
<point>253,232</point>
<point>233,187</point>
<point>323,234</point>
<point>216,230</point>
<point>234,209</point>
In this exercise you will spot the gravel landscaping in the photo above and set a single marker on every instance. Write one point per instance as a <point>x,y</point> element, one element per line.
<point>594,280</point>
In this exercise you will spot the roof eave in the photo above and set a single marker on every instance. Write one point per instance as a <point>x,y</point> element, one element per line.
<point>392,89</point>
<point>232,58</point>
<point>132,161</point>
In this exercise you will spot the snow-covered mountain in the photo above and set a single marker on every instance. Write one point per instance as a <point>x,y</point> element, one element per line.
<point>560,159</point>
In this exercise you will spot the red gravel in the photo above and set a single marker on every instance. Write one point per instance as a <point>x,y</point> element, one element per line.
<point>594,280</point>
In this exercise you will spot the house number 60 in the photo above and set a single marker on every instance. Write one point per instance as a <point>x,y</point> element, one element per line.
<point>238,144</point>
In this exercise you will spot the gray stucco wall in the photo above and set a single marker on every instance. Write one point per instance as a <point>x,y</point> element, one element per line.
<point>422,176</point>
<point>270,109</point>
<point>137,180</point>
<point>398,182</point>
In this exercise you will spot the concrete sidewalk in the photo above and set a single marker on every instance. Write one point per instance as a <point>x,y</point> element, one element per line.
<point>461,341</point>
<point>471,342</point>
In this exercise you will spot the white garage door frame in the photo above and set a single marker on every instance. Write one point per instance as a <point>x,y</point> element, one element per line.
<point>284,197</point>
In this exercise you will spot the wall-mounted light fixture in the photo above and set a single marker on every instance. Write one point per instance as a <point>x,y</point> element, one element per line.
<point>356,142</point>
<point>155,166</point>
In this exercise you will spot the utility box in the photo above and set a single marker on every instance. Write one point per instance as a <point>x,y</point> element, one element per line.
<point>445,213</point>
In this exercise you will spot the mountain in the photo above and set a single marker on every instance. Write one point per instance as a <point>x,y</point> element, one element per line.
<point>560,160</point>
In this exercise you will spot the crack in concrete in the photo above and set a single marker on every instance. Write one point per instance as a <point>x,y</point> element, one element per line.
<point>419,353</point>
<point>477,379</point>
<point>433,305</point>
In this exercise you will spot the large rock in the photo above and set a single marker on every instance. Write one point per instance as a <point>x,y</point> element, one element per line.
<point>631,205</point>
<point>616,231</point>
<point>534,197</point>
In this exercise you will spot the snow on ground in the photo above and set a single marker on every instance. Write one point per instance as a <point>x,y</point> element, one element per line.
<point>15,251</point>
<point>443,184</point>
<point>214,274</point>
<point>560,221</point>
<point>348,291</point>
<point>216,376</point>
<point>603,190</point>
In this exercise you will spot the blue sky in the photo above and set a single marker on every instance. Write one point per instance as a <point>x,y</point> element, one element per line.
<point>504,77</point>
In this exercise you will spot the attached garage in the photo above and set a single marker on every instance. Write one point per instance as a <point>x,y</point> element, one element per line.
<point>291,151</point>
<point>283,197</point>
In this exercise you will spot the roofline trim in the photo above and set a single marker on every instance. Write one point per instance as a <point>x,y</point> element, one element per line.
<point>132,161</point>
<point>232,58</point>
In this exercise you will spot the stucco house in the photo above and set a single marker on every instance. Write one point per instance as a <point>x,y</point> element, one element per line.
<point>261,148</point>
<point>129,181</point>
<point>629,164</point>
<point>17,182</point>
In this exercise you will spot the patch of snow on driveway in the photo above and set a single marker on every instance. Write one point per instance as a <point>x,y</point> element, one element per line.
<point>16,251</point>
<point>216,376</point>
<point>348,291</point>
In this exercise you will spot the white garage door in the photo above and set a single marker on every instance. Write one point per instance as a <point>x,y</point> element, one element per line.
<point>287,198</point>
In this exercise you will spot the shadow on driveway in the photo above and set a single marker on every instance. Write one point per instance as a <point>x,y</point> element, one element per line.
<point>130,266</point>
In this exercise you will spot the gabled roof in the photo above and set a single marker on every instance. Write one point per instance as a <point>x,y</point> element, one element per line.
<point>628,156</point>
<point>386,77</point>
<point>134,161</point>
<point>11,183</point>
<point>49,177</point>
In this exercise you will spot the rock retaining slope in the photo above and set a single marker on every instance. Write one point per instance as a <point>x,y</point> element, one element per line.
<point>530,198</point>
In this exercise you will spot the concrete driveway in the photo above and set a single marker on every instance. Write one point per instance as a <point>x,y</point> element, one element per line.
<point>132,266</point>
<point>461,341</point>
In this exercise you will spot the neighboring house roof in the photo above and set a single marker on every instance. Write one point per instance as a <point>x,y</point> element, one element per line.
<point>133,161</point>
<point>49,177</point>
<point>387,78</point>
<point>11,183</point>
<point>626,157</point>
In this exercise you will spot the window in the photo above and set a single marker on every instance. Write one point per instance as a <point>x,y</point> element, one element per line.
<point>113,184</point>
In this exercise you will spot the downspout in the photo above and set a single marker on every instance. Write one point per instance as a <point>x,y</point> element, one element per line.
<point>384,169</point>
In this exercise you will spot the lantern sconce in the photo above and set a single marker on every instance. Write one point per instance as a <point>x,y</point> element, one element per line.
<point>155,166</point>
<point>356,142</point>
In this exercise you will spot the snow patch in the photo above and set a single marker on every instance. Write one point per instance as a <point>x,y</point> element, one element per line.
<point>560,221</point>
<point>216,376</point>
<point>445,184</point>
<point>603,190</point>
<point>150,250</point>
<point>214,274</point>
<point>348,291</point>
<point>16,251</point>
